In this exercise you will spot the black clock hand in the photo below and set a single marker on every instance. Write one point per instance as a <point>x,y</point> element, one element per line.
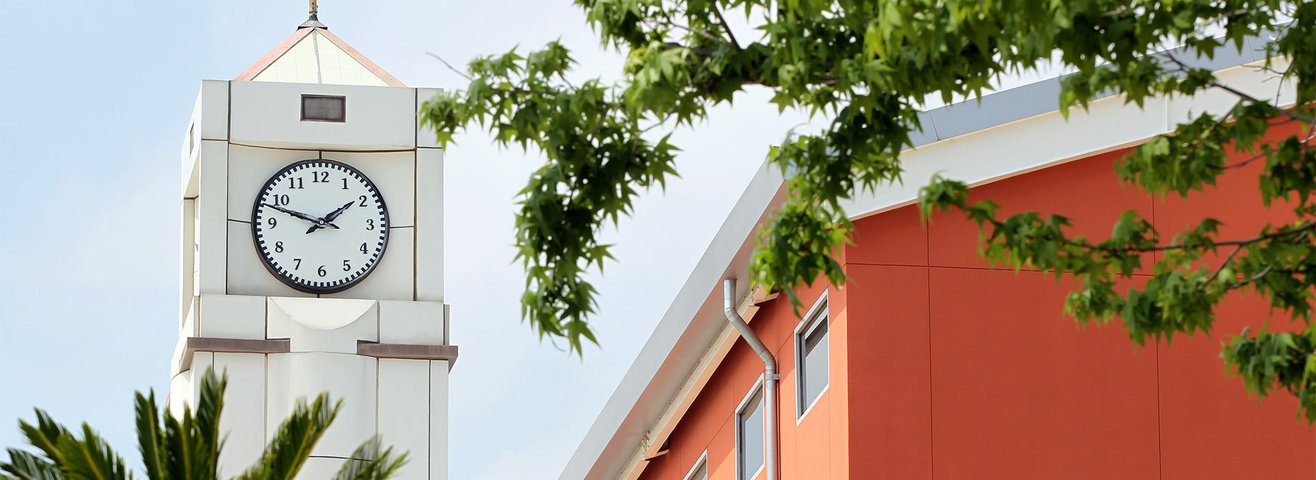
<point>328,219</point>
<point>294,213</point>
<point>321,225</point>
<point>334,214</point>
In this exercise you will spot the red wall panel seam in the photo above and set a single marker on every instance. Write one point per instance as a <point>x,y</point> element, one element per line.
<point>932,451</point>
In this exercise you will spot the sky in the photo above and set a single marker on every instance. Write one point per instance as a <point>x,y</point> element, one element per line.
<point>94,103</point>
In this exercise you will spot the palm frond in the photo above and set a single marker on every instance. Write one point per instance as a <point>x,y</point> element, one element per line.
<point>292,443</point>
<point>44,435</point>
<point>26,466</point>
<point>90,458</point>
<point>369,463</point>
<point>150,436</point>
<point>192,442</point>
<point>178,443</point>
<point>208,434</point>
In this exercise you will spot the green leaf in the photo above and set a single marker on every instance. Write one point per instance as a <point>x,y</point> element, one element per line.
<point>292,442</point>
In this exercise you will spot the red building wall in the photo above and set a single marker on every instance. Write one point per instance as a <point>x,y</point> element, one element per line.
<point>943,366</point>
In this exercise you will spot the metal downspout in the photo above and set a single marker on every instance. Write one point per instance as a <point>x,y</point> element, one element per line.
<point>770,375</point>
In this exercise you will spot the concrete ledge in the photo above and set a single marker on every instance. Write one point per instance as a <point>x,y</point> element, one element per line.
<point>414,352</point>
<point>229,345</point>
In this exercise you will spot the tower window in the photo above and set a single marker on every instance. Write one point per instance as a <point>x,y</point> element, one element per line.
<point>324,108</point>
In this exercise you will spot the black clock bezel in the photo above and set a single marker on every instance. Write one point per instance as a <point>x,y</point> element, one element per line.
<point>268,263</point>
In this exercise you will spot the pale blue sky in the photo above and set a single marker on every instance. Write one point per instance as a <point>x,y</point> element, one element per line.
<point>94,101</point>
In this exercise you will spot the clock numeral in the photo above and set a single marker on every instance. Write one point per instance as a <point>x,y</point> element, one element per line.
<point>344,183</point>
<point>362,198</point>
<point>278,247</point>
<point>363,248</point>
<point>282,200</point>
<point>370,224</point>
<point>321,271</point>
<point>319,177</point>
<point>296,264</point>
<point>347,267</point>
<point>273,223</point>
<point>295,183</point>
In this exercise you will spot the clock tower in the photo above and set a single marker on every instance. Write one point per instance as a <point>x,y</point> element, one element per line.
<point>312,256</point>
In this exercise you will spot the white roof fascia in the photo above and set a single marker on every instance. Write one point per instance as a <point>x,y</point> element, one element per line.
<point>1020,130</point>
<point>962,141</point>
<point>679,340</point>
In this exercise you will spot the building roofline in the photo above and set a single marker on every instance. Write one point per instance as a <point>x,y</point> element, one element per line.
<point>374,68</point>
<point>274,54</point>
<point>1043,96</point>
<point>693,320</point>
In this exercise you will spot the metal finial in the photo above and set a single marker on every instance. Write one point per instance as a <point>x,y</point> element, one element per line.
<point>314,20</point>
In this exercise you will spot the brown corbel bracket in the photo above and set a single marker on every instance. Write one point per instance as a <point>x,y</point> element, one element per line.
<point>229,345</point>
<point>405,351</point>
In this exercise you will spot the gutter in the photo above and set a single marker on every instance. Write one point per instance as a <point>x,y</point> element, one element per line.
<point>770,375</point>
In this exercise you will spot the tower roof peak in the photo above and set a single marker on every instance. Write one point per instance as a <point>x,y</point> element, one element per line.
<point>313,55</point>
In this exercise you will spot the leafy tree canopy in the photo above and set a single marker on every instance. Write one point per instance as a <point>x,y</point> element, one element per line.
<point>869,67</point>
<point>187,447</point>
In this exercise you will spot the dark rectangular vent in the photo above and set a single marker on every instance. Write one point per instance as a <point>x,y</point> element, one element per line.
<point>324,108</point>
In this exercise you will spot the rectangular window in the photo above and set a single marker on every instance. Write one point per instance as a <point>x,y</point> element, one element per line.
<point>700,470</point>
<point>811,355</point>
<point>324,108</point>
<point>749,437</point>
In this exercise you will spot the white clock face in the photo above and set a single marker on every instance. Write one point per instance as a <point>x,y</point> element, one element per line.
<point>320,226</point>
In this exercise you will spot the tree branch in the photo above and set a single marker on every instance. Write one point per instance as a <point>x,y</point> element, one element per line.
<point>1183,67</point>
<point>1225,262</point>
<point>723,21</point>
<point>450,67</point>
<point>693,31</point>
<point>1161,248</point>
